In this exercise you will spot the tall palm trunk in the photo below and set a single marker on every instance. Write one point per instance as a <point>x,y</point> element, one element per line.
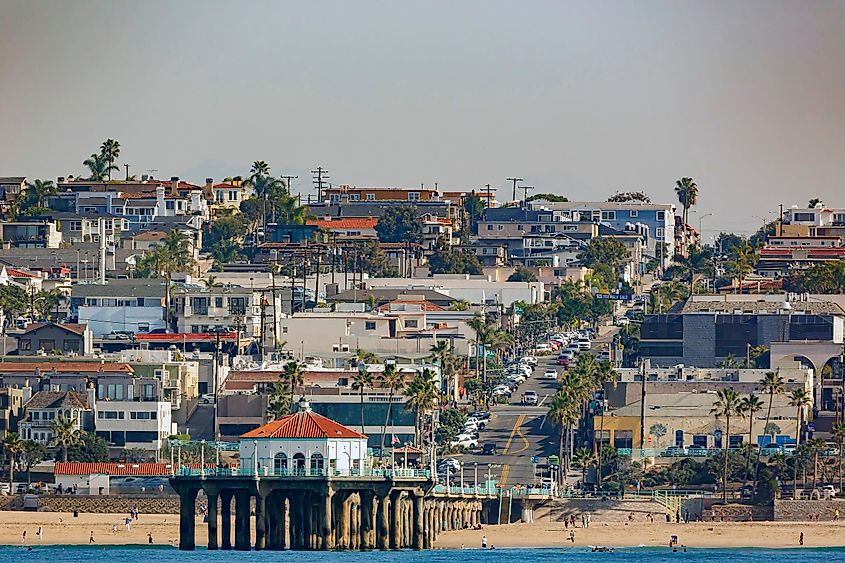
<point>386,420</point>
<point>795,455</point>
<point>840,464</point>
<point>11,471</point>
<point>725,467</point>
<point>361,394</point>
<point>560,472</point>
<point>815,468</point>
<point>765,429</point>
<point>748,453</point>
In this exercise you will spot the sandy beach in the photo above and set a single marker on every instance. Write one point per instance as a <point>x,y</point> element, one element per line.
<point>618,534</point>
<point>62,528</point>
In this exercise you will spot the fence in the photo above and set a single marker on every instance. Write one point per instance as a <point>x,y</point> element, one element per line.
<point>301,472</point>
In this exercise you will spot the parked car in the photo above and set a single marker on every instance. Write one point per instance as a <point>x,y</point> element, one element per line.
<point>530,398</point>
<point>207,398</point>
<point>551,373</point>
<point>490,448</point>
<point>530,360</point>
<point>482,415</point>
<point>464,441</point>
<point>584,344</point>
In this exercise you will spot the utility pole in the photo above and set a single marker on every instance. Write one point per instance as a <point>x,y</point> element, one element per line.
<point>489,195</point>
<point>514,180</point>
<point>215,376</point>
<point>288,183</point>
<point>525,194</point>
<point>263,328</point>
<point>127,172</point>
<point>304,273</point>
<point>320,174</point>
<point>642,406</point>
<point>780,222</point>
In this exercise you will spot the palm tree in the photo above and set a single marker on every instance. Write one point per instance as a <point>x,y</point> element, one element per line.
<point>441,352</point>
<point>360,383</point>
<point>748,406</point>
<point>799,399</point>
<point>394,381</point>
<point>563,412</point>
<point>279,400</point>
<point>99,167</point>
<point>687,192</point>
<point>13,445</point>
<point>293,377</point>
<point>838,432</point>
<point>211,281</point>
<point>743,262</point>
<point>725,406</point>
<point>65,434</point>
<point>37,190</point>
<point>772,384</point>
<point>584,459</point>
<point>110,150</point>
<point>421,396</point>
<point>817,445</point>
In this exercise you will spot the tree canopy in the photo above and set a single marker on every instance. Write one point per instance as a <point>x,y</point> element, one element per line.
<point>624,197</point>
<point>400,223</point>
<point>522,275</point>
<point>554,198</point>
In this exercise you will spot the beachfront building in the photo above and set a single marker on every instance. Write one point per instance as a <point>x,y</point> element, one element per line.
<point>304,443</point>
<point>45,407</point>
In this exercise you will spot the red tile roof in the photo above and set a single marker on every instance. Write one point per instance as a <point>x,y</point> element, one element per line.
<point>143,469</point>
<point>344,223</point>
<point>19,273</point>
<point>424,305</point>
<point>303,424</point>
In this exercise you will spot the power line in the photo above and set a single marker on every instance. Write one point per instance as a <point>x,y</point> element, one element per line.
<point>289,182</point>
<point>319,175</point>
<point>525,193</point>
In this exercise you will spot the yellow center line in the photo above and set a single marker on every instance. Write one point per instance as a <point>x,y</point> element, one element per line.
<point>503,478</point>
<point>520,419</point>
<point>524,442</point>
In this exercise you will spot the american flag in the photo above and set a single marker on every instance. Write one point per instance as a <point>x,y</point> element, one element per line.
<point>394,440</point>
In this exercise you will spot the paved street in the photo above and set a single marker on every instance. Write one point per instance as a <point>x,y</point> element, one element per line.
<point>520,431</point>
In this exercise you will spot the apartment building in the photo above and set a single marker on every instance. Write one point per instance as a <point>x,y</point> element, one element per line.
<point>30,234</point>
<point>135,305</point>
<point>44,407</point>
<point>48,337</point>
<point>230,308</point>
<point>10,188</point>
<point>345,193</point>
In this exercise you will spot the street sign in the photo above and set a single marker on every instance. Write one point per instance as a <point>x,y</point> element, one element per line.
<point>615,296</point>
<point>554,460</point>
<point>535,459</point>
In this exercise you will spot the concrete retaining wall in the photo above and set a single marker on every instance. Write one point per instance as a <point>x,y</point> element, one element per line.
<point>109,504</point>
<point>800,510</point>
<point>605,510</point>
<point>726,513</point>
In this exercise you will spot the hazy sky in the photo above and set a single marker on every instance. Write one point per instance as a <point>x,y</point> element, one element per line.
<point>578,98</point>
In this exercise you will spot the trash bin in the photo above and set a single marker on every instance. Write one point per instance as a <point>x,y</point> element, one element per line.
<point>76,514</point>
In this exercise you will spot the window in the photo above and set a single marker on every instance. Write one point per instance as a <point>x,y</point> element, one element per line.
<point>233,195</point>
<point>284,330</point>
<point>170,204</point>
<point>354,197</point>
<point>371,197</point>
<point>519,227</point>
<point>803,216</point>
<point>413,196</point>
<point>623,439</point>
<point>316,464</point>
<point>679,438</point>
<point>661,215</point>
<point>410,323</point>
<point>659,232</point>
<point>143,415</point>
<point>237,305</point>
<point>634,213</point>
<point>111,415</point>
<point>46,344</point>
<point>608,215</point>
<point>334,198</point>
<point>699,441</point>
<point>70,345</point>
<point>280,463</point>
<point>218,302</point>
<point>501,227</point>
<point>25,345</point>
<point>195,329</point>
<point>735,441</point>
<point>489,227</point>
<point>370,325</point>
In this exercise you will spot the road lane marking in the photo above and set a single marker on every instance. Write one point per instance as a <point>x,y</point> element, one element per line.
<point>516,426</point>
<point>504,476</point>
<point>524,441</point>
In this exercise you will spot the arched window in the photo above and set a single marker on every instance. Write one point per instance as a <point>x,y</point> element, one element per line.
<point>299,462</point>
<point>280,463</point>
<point>317,464</point>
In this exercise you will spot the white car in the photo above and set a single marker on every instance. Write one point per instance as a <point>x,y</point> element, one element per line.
<point>568,354</point>
<point>523,370</point>
<point>502,390</point>
<point>464,441</point>
<point>543,347</point>
<point>517,377</point>
<point>550,374</point>
<point>584,344</point>
<point>604,356</point>
<point>530,398</point>
<point>530,360</point>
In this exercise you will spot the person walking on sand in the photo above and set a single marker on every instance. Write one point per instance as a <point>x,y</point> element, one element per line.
<point>40,533</point>
<point>572,536</point>
<point>91,537</point>
<point>23,537</point>
<point>483,542</point>
<point>149,537</point>
<point>801,538</point>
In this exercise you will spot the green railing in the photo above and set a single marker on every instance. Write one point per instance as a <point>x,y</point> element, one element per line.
<point>300,472</point>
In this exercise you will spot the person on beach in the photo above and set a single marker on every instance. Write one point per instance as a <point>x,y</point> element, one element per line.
<point>801,538</point>
<point>483,542</point>
<point>91,537</point>
<point>149,537</point>
<point>40,533</point>
<point>114,528</point>
<point>572,536</point>
<point>23,537</point>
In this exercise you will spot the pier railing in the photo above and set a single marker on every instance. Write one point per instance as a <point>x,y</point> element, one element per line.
<point>301,473</point>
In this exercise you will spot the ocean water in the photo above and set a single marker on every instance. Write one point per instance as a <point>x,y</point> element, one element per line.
<point>165,554</point>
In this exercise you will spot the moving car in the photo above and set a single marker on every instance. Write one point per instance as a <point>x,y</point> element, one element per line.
<point>530,398</point>
<point>550,373</point>
<point>490,448</point>
<point>464,441</point>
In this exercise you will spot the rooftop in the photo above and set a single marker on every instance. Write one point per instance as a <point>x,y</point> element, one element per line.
<point>58,399</point>
<point>303,424</point>
<point>76,328</point>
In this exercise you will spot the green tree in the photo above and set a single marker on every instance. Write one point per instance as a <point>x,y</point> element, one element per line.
<point>687,191</point>
<point>13,445</point>
<point>361,382</point>
<point>36,193</point>
<point>279,400</point>
<point>13,301</point>
<point>726,405</point>
<point>99,167</point>
<point>554,198</point>
<point>625,197</point>
<point>838,432</point>
<point>564,413</point>
<point>110,151</point>
<point>474,207</point>
<point>394,381</point>
<point>584,459</point>
<point>32,453</point>
<point>400,223</point>
<point>292,375</point>
<point>445,260</point>
<point>521,274</point>
<point>89,449</point>
<point>65,434</point>
<point>421,398</point>
<point>743,262</point>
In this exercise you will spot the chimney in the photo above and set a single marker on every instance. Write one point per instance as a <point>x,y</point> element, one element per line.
<point>174,185</point>
<point>60,180</point>
<point>92,395</point>
<point>209,189</point>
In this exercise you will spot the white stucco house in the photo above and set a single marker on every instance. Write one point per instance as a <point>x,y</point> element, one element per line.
<point>303,443</point>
